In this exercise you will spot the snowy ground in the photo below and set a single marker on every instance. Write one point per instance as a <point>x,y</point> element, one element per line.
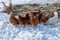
<point>29,1</point>
<point>13,32</point>
<point>41,32</point>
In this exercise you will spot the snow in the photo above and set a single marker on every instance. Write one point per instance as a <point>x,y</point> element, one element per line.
<point>14,32</point>
<point>18,32</point>
<point>29,1</point>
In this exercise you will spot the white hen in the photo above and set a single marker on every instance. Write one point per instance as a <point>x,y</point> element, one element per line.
<point>53,20</point>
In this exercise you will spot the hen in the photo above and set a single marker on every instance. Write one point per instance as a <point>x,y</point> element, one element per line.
<point>54,19</point>
<point>24,20</point>
<point>33,19</point>
<point>8,9</point>
<point>45,18</point>
<point>12,19</point>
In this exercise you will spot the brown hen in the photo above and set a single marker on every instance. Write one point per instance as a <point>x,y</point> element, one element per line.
<point>12,19</point>
<point>45,18</point>
<point>8,9</point>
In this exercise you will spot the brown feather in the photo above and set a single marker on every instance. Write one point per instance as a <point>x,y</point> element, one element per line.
<point>8,9</point>
<point>13,20</point>
<point>45,18</point>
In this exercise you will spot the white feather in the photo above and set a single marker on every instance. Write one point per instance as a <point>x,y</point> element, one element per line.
<point>53,20</point>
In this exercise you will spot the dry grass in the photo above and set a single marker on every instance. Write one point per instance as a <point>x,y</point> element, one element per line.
<point>25,9</point>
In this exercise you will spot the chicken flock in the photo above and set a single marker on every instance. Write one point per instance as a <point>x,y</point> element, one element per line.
<point>31,18</point>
